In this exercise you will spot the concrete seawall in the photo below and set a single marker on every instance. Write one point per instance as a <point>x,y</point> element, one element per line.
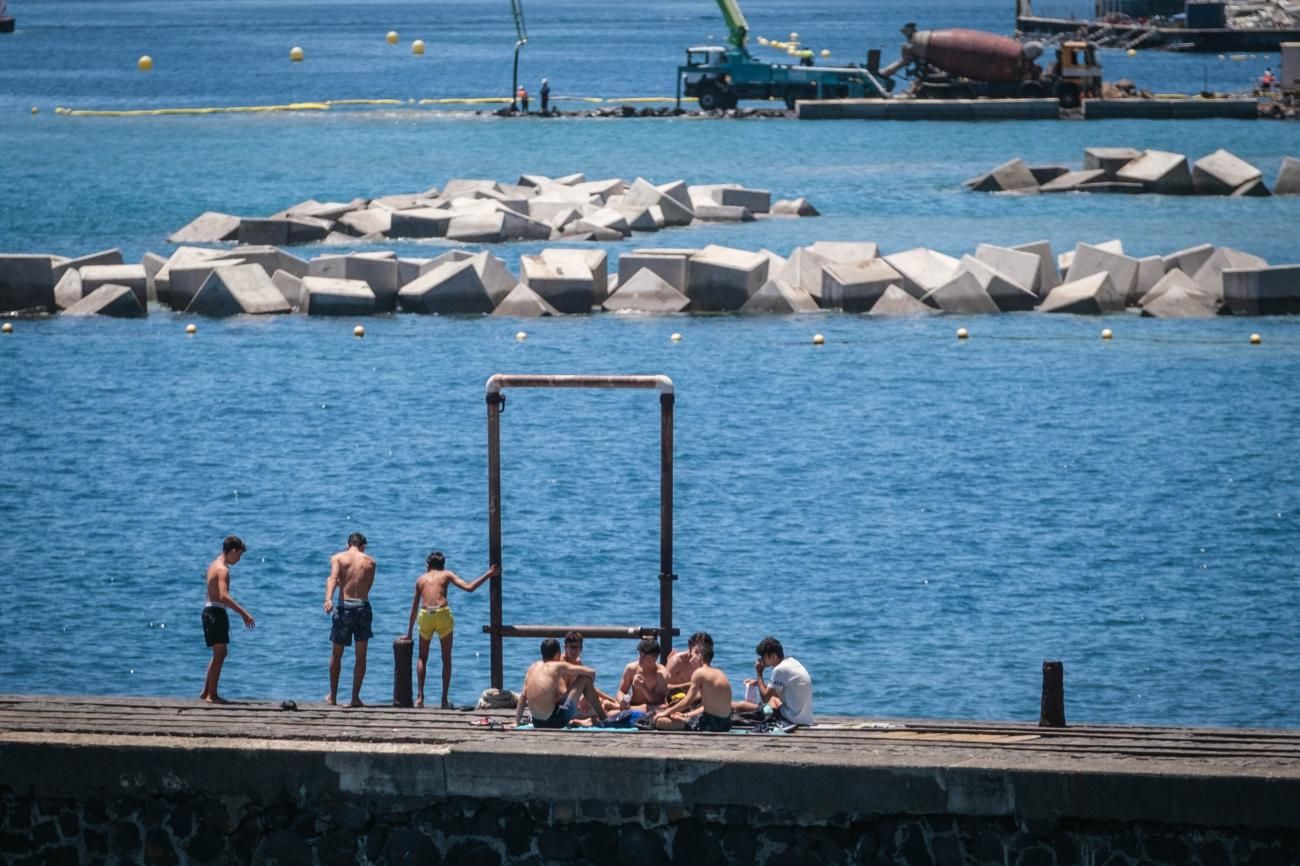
<point>133,780</point>
<point>1022,109</point>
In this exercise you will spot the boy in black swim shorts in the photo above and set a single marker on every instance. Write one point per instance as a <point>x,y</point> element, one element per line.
<point>216,622</point>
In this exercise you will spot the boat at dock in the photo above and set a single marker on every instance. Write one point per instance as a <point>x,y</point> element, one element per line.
<point>1202,27</point>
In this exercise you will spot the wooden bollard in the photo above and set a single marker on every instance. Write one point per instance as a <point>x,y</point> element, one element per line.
<point>1052,711</point>
<point>403,652</point>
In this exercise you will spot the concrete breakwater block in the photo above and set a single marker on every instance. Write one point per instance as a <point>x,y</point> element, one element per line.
<point>1092,295</point>
<point>1020,268</point>
<point>379,271</point>
<point>185,280</point>
<point>26,282</point>
<point>1288,177</point>
<point>1108,159</point>
<point>1174,279</point>
<point>1007,294</point>
<point>1179,302</point>
<point>755,201</point>
<point>897,302</point>
<point>1159,171</point>
<point>780,298</point>
<point>524,303</point>
<point>799,207</point>
<point>1089,260</point>
<point>846,252</point>
<point>646,292</point>
<point>1048,275</point>
<point>671,266</point>
<point>325,210</point>
<point>119,302</point>
<point>596,261</point>
<point>68,290</point>
<point>1047,173</point>
<point>1222,173</point>
<point>238,290</point>
<point>289,286</point>
<point>1011,176</point>
<point>134,276</point>
<point>961,294</point>
<point>922,270</point>
<point>1251,189</point>
<point>1264,291</point>
<point>722,213</point>
<point>1189,259</point>
<point>721,279</point>
<point>855,288</point>
<point>1075,181</point>
<point>282,231</point>
<point>567,284</point>
<point>644,194</point>
<point>473,286</point>
<point>334,296</point>
<point>210,227</point>
<point>1210,275</point>
<point>367,221</point>
<point>103,257</point>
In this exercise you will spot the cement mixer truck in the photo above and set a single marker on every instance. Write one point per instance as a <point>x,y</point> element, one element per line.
<point>970,64</point>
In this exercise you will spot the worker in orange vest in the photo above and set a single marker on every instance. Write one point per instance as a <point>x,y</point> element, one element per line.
<point>522,96</point>
<point>1266,80</point>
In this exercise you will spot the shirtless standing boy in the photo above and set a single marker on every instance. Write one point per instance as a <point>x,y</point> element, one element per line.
<point>552,688</point>
<point>216,623</point>
<point>430,605</point>
<point>352,572</point>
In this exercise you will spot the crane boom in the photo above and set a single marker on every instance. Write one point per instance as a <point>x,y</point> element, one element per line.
<point>517,8</point>
<point>521,30</point>
<point>736,23</point>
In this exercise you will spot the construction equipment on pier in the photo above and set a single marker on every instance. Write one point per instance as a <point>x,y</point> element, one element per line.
<point>968,64</point>
<point>718,76</point>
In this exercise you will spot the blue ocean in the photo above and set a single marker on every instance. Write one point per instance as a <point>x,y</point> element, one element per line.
<point>921,521</point>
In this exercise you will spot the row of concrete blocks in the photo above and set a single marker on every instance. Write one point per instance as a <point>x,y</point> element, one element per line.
<point>484,211</point>
<point>1125,170</point>
<point>1199,281</point>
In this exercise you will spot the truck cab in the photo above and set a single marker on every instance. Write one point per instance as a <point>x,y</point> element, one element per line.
<point>1077,72</point>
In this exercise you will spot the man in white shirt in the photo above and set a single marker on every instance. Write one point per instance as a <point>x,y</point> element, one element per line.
<point>790,694</point>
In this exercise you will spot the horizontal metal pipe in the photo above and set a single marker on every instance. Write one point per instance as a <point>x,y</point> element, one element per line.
<point>631,632</point>
<point>513,380</point>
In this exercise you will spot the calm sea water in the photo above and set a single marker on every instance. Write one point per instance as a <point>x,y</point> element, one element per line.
<point>922,522</point>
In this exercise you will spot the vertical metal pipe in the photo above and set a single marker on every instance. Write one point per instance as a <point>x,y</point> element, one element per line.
<point>666,576</point>
<point>494,402</point>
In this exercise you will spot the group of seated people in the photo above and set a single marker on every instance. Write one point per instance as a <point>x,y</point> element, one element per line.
<point>686,693</point>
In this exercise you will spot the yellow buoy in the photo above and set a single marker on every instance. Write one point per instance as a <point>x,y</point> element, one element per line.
<point>818,339</point>
<point>676,337</point>
<point>1255,339</point>
<point>1106,334</point>
<point>7,328</point>
<point>359,331</point>
<point>295,54</point>
<point>521,336</point>
<point>794,37</point>
<point>191,329</point>
<point>1132,52</point>
<point>391,37</point>
<point>144,64</point>
<point>417,47</point>
<point>1221,57</point>
<point>35,110</point>
<point>962,333</point>
<point>762,40</point>
<point>826,52</point>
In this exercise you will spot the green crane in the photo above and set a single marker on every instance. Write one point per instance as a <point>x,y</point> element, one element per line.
<point>736,24</point>
<point>521,31</point>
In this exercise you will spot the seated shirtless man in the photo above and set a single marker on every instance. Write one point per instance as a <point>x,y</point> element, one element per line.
<point>682,665</point>
<point>645,682</point>
<point>430,609</point>
<point>552,688</point>
<point>711,688</point>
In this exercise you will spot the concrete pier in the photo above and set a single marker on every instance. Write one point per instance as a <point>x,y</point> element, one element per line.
<point>1022,109</point>
<point>159,781</point>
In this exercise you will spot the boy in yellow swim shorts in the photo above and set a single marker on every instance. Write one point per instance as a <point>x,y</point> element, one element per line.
<point>429,608</point>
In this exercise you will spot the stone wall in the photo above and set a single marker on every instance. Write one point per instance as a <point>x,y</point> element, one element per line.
<point>184,827</point>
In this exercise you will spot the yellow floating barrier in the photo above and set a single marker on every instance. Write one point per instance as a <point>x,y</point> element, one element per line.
<point>159,112</point>
<point>640,99</point>
<point>365,102</point>
<point>469,100</point>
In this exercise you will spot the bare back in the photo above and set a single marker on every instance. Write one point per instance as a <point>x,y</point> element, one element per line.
<point>544,687</point>
<point>356,573</point>
<point>218,580</point>
<point>715,690</point>
<point>433,587</point>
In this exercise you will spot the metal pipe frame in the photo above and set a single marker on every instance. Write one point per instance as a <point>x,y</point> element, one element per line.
<point>495,406</point>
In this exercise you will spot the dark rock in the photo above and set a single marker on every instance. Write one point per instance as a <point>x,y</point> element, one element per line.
<point>375,842</point>
<point>411,848</point>
<point>95,841</point>
<point>206,845</point>
<point>517,830</point>
<point>629,810</point>
<point>20,817</point>
<point>473,852</point>
<point>1038,828</point>
<point>337,848</point>
<point>15,843</point>
<point>181,820</point>
<point>487,819</point>
<point>1037,857</point>
<point>697,843</point>
<point>65,856</point>
<point>947,850</point>
<point>986,847</point>
<point>351,817</point>
<point>1166,848</point>
<point>214,814</point>
<point>558,844</point>
<point>126,839</point>
<point>598,843</point>
<point>640,847</point>
<point>740,845</point>
<point>154,812</point>
<point>158,849</point>
<point>912,846</point>
<point>45,833</point>
<point>246,837</point>
<point>283,848</point>
<point>1212,852</point>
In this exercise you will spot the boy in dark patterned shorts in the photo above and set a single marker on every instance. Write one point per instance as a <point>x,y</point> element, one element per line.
<point>352,573</point>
